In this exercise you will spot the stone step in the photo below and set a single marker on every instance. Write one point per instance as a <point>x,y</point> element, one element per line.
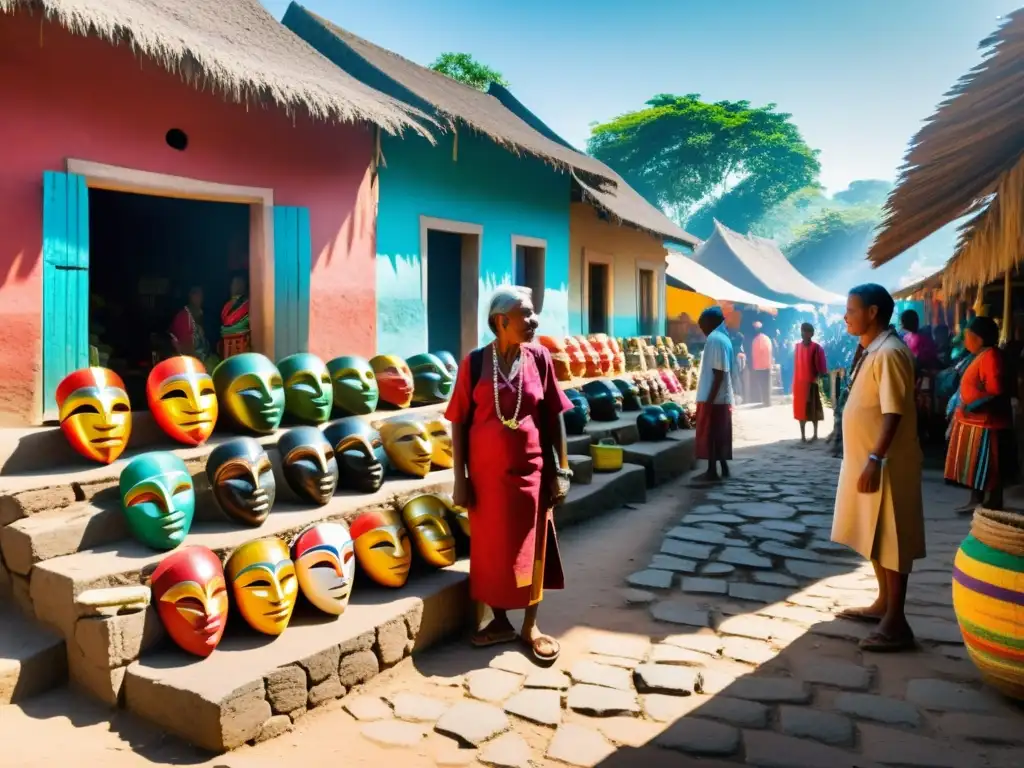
<point>253,687</point>
<point>607,491</point>
<point>622,430</point>
<point>32,659</point>
<point>579,445</point>
<point>582,469</point>
<point>666,459</point>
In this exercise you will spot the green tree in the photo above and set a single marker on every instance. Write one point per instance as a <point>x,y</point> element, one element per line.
<point>723,160</point>
<point>865,192</point>
<point>467,70</point>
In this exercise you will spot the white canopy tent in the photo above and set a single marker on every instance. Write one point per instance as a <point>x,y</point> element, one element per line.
<point>703,281</point>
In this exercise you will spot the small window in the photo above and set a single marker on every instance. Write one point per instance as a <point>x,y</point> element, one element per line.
<point>529,271</point>
<point>646,301</point>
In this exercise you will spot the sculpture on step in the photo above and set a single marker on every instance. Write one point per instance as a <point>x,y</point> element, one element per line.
<point>308,388</point>
<point>95,415</point>
<point>182,399</point>
<point>577,419</point>
<point>652,423</point>
<point>449,361</point>
<point>441,451</point>
<point>407,445</point>
<point>644,389</point>
<point>668,378</point>
<point>675,413</point>
<point>605,400</point>
<point>431,381</point>
<point>459,514</point>
<point>191,599</point>
<point>359,453</point>
<point>308,464</point>
<point>618,356</point>
<point>559,356</point>
<point>325,565</point>
<point>263,584</point>
<point>242,479</point>
<point>394,379</point>
<point>593,361</point>
<point>577,360</point>
<point>599,343</point>
<point>158,499</point>
<point>630,394</point>
<point>355,385</point>
<point>382,547</point>
<point>424,517</point>
<point>251,391</point>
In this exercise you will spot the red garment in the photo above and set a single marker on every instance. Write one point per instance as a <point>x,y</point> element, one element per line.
<point>714,432</point>
<point>761,352</point>
<point>510,516</point>
<point>985,377</point>
<point>808,364</point>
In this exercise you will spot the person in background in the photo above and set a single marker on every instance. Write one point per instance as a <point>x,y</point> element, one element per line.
<point>761,366</point>
<point>982,453</point>
<point>739,365</point>
<point>715,396</point>
<point>809,365</point>
<point>234,318</point>
<point>920,343</point>
<point>187,332</point>
<point>879,511</point>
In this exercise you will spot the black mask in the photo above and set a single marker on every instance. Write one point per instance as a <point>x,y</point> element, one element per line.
<point>308,464</point>
<point>630,394</point>
<point>358,450</point>
<point>604,399</point>
<point>652,423</point>
<point>242,479</point>
<point>576,420</point>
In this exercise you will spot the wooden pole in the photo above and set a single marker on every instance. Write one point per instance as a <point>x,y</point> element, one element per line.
<point>956,315</point>
<point>1004,334</point>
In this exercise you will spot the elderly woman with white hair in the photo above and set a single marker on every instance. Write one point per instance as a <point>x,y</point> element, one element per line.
<point>511,469</point>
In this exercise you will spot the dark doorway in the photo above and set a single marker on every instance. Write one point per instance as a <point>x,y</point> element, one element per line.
<point>444,291</point>
<point>597,282</point>
<point>529,263</point>
<point>645,301</point>
<point>145,253</point>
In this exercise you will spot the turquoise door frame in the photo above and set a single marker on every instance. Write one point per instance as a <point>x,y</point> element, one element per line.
<point>292,263</point>
<point>65,326</point>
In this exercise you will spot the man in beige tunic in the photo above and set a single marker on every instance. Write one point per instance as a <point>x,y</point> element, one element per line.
<point>879,512</point>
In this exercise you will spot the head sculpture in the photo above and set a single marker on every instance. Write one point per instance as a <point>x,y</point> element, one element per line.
<point>459,514</point>
<point>181,396</point>
<point>577,419</point>
<point>442,453</point>
<point>95,415</point>
<point>359,453</point>
<point>675,413</point>
<point>407,445</point>
<point>431,381</point>
<point>618,356</point>
<point>191,599</point>
<point>158,499</point>
<point>325,565</point>
<point>644,388</point>
<point>449,361</point>
<point>424,518</point>
<point>308,464</point>
<point>250,389</point>
<point>577,360</point>
<point>599,342</point>
<point>308,388</point>
<point>630,394</point>
<point>559,356</point>
<point>263,582</point>
<point>242,479</point>
<point>652,423</point>
<point>382,547</point>
<point>604,399</point>
<point>394,379</point>
<point>355,385</point>
<point>593,361</point>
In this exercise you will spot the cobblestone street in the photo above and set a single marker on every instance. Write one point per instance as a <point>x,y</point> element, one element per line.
<point>697,629</point>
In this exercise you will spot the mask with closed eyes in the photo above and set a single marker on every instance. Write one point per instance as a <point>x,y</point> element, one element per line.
<point>181,396</point>
<point>325,565</point>
<point>308,390</point>
<point>394,379</point>
<point>95,415</point>
<point>407,445</point>
<point>263,583</point>
<point>355,385</point>
<point>424,518</point>
<point>382,547</point>
<point>158,499</point>
<point>432,383</point>
<point>440,432</point>
<point>191,599</point>
<point>251,391</point>
<point>359,453</point>
<point>308,464</point>
<point>242,479</point>
<point>449,361</point>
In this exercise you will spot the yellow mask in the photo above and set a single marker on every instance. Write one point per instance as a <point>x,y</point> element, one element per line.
<point>440,432</point>
<point>263,583</point>
<point>382,547</point>
<point>95,415</point>
<point>182,399</point>
<point>407,445</point>
<point>461,514</point>
<point>424,516</point>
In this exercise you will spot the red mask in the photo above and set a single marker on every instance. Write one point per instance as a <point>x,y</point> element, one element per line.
<point>192,599</point>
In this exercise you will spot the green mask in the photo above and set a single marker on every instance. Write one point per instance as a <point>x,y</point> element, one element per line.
<point>249,387</point>
<point>308,394</point>
<point>158,499</point>
<point>355,385</point>
<point>431,381</point>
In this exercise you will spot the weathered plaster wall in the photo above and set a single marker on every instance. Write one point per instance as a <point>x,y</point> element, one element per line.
<point>626,246</point>
<point>71,97</point>
<point>508,195</point>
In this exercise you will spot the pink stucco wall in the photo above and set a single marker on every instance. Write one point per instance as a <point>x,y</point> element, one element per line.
<point>65,96</point>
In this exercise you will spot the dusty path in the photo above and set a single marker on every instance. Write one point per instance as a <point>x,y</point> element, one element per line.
<point>779,681</point>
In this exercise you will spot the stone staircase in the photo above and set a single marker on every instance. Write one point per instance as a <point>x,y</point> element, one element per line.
<point>62,537</point>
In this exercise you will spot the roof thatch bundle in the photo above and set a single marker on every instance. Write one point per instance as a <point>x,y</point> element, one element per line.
<point>918,289</point>
<point>449,99</point>
<point>960,158</point>
<point>232,46</point>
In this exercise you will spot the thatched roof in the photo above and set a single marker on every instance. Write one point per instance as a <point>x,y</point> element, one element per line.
<point>433,92</point>
<point>930,283</point>
<point>961,157</point>
<point>232,46</point>
<point>621,201</point>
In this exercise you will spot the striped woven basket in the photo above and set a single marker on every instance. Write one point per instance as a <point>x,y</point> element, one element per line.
<point>988,597</point>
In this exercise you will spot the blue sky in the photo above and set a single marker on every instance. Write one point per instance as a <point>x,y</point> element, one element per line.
<point>858,76</point>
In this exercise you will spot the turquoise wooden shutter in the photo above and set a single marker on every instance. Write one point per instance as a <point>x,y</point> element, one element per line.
<point>292,260</point>
<point>65,281</point>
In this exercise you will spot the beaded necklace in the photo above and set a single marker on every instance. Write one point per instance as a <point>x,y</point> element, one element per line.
<point>513,422</point>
